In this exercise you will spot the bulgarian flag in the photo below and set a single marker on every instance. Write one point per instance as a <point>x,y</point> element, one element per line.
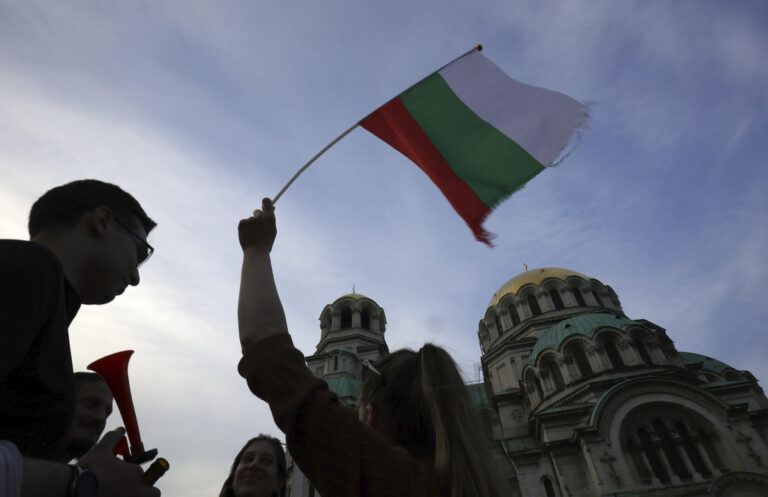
<point>477,133</point>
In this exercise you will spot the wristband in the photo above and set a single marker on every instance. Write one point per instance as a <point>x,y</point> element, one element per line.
<point>83,482</point>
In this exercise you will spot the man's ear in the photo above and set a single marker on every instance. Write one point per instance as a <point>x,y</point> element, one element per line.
<point>372,421</point>
<point>98,220</point>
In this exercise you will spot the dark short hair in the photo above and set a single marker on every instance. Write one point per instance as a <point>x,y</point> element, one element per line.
<point>82,377</point>
<point>282,467</point>
<point>62,206</point>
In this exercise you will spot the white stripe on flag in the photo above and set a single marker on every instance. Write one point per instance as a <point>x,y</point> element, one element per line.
<point>539,120</point>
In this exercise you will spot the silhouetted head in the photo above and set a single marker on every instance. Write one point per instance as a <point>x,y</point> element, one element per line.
<point>418,400</point>
<point>98,232</point>
<point>93,405</point>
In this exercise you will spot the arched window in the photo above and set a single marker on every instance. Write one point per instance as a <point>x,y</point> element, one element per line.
<point>557,377</point>
<point>499,329</point>
<point>669,450</point>
<point>640,348</point>
<point>539,390</point>
<point>365,319</point>
<point>579,297</point>
<point>582,362</point>
<point>659,435</point>
<point>335,363</point>
<point>597,298</point>
<point>690,449</point>
<point>556,299</point>
<point>346,318</point>
<point>613,355</point>
<point>652,456</point>
<point>549,489</point>
<point>533,303</point>
<point>709,447</point>
<point>513,315</point>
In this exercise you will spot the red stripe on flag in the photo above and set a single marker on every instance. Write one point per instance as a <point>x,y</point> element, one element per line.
<point>393,123</point>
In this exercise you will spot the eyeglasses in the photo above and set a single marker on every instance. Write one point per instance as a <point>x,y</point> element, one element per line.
<point>368,364</point>
<point>145,252</point>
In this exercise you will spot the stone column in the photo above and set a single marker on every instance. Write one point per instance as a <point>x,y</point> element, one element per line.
<point>565,363</point>
<point>335,320</point>
<point>705,457</point>
<point>628,353</point>
<point>356,318</point>
<point>548,383</point>
<point>687,462</point>
<point>654,479</point>
<point>667,466</point>
<point>593,356</point>
<point>654,350</point>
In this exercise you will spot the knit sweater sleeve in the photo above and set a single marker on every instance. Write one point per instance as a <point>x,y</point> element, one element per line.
<point>339,454</point>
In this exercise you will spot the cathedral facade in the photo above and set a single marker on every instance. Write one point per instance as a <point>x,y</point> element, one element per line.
<point>577,399</point>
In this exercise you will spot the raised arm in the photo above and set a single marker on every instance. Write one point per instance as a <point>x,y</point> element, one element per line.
<point>259,311</point>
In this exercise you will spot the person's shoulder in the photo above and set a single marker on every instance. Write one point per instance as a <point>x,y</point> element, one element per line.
<point>25,257</point>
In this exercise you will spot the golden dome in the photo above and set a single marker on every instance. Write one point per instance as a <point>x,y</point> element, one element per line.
<point>534,276</point>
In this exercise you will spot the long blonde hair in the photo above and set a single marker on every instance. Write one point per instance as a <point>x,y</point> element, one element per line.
<point>423,405</point>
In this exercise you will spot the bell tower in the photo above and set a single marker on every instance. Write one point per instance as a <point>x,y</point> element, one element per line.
<point>351,330</point>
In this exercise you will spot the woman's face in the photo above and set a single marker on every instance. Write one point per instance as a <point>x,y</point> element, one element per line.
<point>257,474</point>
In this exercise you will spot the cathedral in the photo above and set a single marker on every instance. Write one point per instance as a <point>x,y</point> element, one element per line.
<point>579,400</point>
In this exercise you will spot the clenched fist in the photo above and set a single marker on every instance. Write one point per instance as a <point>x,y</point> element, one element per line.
<point>258,233</point>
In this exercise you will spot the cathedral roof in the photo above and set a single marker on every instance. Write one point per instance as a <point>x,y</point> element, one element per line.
<point>707,363</point>
<point>534,276</point>
<point>583,324</point>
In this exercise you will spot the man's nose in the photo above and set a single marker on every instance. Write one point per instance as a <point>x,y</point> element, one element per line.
<point>135,277</point>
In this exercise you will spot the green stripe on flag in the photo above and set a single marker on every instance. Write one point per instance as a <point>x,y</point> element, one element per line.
<point>487,160</point>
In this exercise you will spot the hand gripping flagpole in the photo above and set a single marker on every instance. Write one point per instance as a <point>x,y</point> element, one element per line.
<point>349,130</point>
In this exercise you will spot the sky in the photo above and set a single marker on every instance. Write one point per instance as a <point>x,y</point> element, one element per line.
<point>200,109</point>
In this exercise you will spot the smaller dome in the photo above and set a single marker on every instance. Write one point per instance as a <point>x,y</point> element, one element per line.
<point>355,296</point>
<point>583,324</point>
<point>534,276</point>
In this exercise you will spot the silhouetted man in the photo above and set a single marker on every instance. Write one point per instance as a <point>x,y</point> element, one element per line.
<point>88,239</point>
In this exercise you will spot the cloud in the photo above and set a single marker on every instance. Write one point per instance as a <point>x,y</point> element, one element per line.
<point>199,111</point>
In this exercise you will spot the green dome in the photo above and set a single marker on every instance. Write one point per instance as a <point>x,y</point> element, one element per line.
<point>583,324</point>
<point>707,363</point>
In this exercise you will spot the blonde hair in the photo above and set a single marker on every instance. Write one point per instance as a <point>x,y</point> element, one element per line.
<point>423,405</point>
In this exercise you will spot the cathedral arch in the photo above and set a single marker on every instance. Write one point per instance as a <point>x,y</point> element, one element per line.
<point>549,488</point>
<point>636,414</point>
<point>641,339</point>
<point>578,288</point>
<point>598,289</point>
<point>346,317</point>
<point>610,339</point>
<point>533,386</point>
<point>555,290</point>
<point>576,348</point>
<point>485,338</point>
<point>326,321</point>
<point>533,304</point>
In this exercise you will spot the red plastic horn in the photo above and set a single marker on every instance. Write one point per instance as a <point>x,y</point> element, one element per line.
<point>114,369</point>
